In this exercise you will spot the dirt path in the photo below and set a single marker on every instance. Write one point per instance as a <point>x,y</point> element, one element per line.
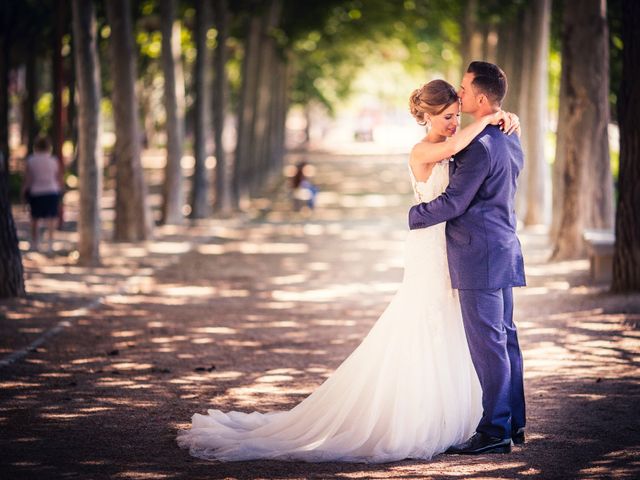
<point>253,315</point>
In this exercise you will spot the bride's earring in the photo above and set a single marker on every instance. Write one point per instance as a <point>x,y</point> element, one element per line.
<point>428,123</point>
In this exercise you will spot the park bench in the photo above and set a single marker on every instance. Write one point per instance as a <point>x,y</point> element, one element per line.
<point>600,246</point>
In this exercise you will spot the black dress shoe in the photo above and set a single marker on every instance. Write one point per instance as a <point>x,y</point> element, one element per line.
<point>481,443</point>
<point>518,436</point>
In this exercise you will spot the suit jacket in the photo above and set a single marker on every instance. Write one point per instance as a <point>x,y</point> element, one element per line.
<point>478,206</point>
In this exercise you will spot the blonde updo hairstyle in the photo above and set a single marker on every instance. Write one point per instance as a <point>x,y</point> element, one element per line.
<point>431,99</point>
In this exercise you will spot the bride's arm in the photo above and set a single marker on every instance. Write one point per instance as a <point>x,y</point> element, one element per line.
<point>423,152</point>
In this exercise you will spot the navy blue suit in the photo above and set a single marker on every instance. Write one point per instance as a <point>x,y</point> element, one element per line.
<point>485,262</point>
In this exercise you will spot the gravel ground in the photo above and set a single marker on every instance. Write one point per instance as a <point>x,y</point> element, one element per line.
<point>253,313</point>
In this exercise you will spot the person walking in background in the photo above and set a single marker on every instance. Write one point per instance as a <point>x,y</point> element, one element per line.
<point>42,188</point>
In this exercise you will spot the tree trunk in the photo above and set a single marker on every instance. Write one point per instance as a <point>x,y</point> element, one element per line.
<point>72,120</point>
<point>537,177</point>
<point>509,58</point>
<point>133,218</point>
<point>558,172</point>
<point>172,200</point>
<point>246,111</point>
<point>259,149</point>
<point>58,85</point>
<point>5,47</point>
<point>526,56</point>
<point>11,272</point>
<point>58,80</point>
<point>626,258</point>
<point>29,127</point>
<point>307,125</point>
<point>146,92</point>
<point>223,200</point>
<point>490,43</point>
<point>471,42</point>
<point>471,35</point>
<point>89,130</point>
<point>200,187</point>
<point>278,115</point>
<point>583,143</point>
<point>283,109</point>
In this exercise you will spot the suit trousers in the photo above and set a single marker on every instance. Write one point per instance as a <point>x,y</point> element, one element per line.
<point>495,352</point>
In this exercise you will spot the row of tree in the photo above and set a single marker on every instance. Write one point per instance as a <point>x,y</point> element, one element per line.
<point>518,40</point>
<point>261,112</point>
<point>266,54</point>
<point>578,191</point>
<point>284,47</point>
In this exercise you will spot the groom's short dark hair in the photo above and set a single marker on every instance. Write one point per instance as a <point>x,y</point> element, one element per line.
<point>490,80</point>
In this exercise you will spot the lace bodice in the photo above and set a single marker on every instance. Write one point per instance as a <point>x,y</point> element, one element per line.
<point>435,184</point>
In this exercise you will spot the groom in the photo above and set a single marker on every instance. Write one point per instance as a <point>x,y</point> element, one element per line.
<point>485,260</point>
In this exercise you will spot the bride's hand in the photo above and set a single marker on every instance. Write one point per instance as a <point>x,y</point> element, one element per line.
<point>514,126</point>
<point>508,122</point>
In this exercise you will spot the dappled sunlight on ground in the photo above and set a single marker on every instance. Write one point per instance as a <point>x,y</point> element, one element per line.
<point>254,313</point>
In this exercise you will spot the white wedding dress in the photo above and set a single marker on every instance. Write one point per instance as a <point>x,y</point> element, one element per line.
<point>409,390</point>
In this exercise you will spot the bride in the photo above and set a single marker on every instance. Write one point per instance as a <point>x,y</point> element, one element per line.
<point>409,390</point>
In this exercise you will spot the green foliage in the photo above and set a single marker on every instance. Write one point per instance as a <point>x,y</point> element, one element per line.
<point>327,43</point>
<point>15,186</point>
<point>149,44</point>
<point>331,42</point>
<point>234,69</point>
<point>187,42</point>
<point>614,154</point>
<point>554,76</point>
<point>44,112</point>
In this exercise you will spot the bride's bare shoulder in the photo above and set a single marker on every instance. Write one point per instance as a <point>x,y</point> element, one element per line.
<point>417,149</point>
